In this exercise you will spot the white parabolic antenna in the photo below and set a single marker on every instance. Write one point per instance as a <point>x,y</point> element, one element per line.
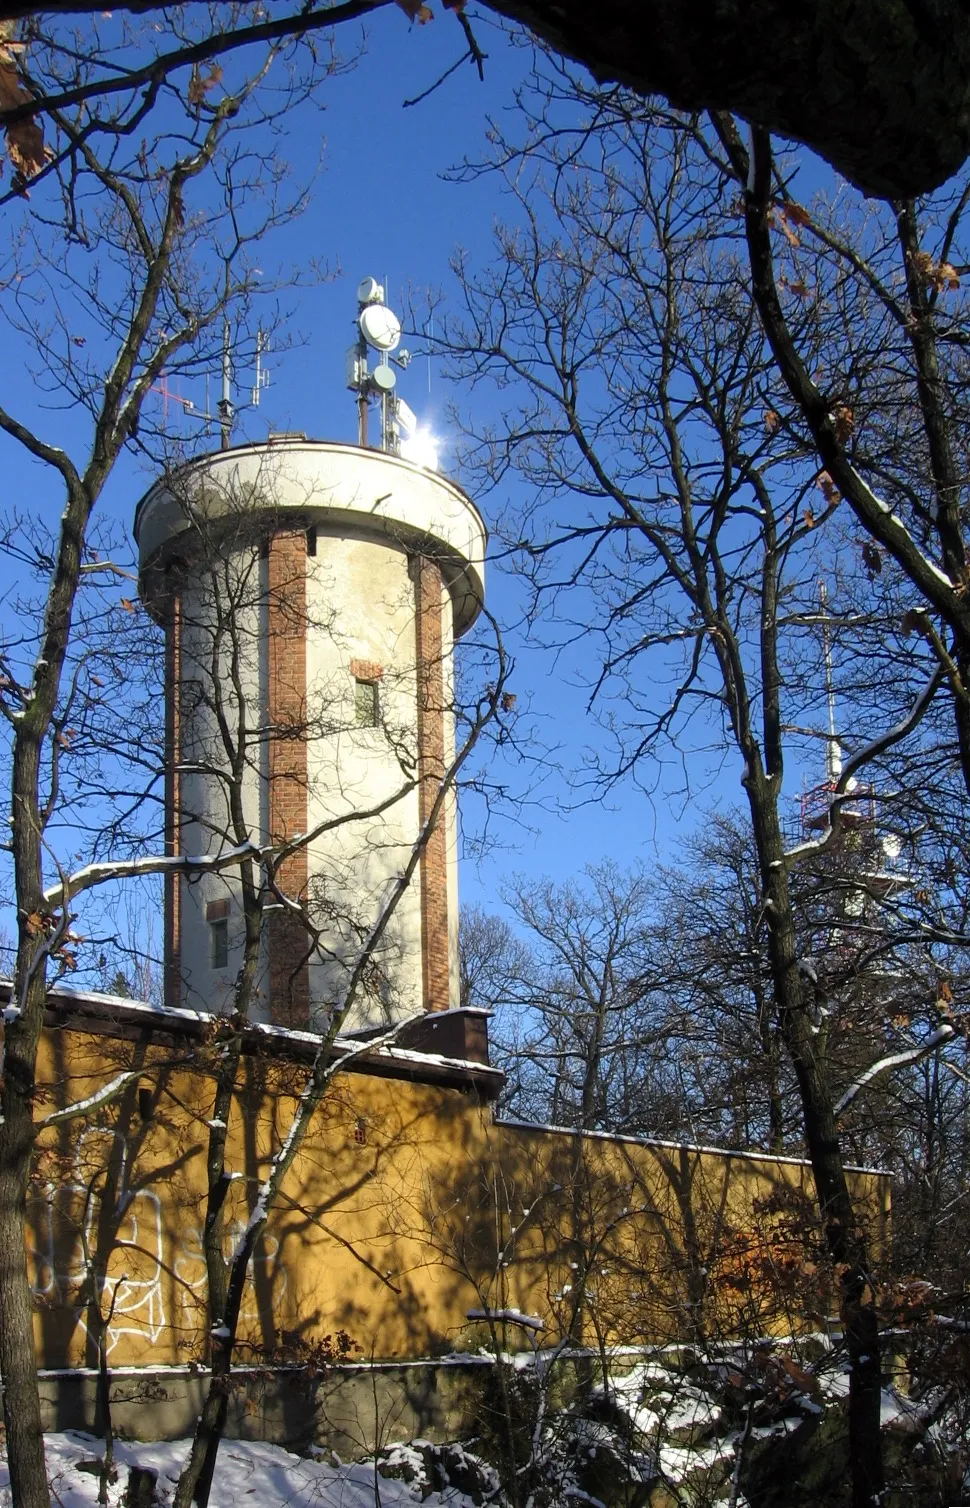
<point>892,846</point>
<point>380,327</point>
<point>370,291</point>
<point>384,379</point>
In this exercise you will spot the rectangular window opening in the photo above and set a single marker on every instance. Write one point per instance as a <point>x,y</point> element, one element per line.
<point>367,708</point>
<point>146,1106</point>
<point>219,942</point>
<point>311,541</point>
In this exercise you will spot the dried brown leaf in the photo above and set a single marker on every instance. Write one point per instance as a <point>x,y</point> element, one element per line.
<point>828,489</point>
<point>797,214</point>
<point>25,139</point>
<point>788,231</point>
<point>416,10</point>
<point>843,421</point>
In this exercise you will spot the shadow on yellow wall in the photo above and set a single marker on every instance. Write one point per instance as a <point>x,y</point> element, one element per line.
<point>412,1220</point>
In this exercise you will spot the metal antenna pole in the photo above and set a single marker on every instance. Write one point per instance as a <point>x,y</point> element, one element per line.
<point>225,402</point>
<point>833,750</point>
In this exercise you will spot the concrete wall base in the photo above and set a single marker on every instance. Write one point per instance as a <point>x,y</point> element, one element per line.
<point>351,1410</point>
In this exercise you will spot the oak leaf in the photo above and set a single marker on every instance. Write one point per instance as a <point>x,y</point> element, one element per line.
<point>200,83</point>
<point>798,1374</point>
<point>941,276</point>
<point>788,231</point>
<point>843,422</point>
<point>914,621</point>
<point>416,10</point>
<point>828,489</point>
<point>797,214</point>
<point>25,138</point>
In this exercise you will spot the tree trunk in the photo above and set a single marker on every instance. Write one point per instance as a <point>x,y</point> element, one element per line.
<point>21,1404</point>
<point>21,1401</point>
<point>844,1236</point>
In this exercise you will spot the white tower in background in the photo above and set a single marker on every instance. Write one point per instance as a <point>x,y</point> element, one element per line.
<point>311,594</point>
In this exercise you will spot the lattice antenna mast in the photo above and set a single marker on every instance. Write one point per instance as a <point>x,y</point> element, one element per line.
<point>833,748</point>
<point>226,410</point>
<point>261,379</point>
<point>225,405</point>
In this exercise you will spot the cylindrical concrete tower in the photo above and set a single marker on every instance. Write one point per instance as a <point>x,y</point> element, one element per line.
<point>311,595</point>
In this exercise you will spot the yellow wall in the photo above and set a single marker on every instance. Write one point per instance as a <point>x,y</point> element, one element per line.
<point>407,1208</point>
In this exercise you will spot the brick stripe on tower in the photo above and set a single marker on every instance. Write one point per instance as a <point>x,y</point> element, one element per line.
<point>288,939</point>
<point>172,974</point>
<point>431,769</point>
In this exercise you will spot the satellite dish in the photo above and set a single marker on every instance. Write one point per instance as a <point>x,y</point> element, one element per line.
<point>370,292</point>
<point>383,378</point>
<point>892,846</point>
<point>380,327</point>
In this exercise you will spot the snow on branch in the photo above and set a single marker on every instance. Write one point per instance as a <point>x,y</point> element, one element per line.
<point>126,869</point>
<point>93,1102</point>
<point>895,1060</point>
<point>507,1317</point>
<point>195,864</point>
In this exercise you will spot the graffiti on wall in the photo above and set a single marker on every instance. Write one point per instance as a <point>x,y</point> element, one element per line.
<point>154,1283</point>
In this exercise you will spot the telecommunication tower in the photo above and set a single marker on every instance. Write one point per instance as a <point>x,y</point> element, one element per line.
<point>311,593</point>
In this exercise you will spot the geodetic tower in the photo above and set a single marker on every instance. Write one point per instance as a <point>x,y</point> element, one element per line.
<point>311,594</point>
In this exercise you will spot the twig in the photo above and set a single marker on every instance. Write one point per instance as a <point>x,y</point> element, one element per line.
<point>438,82</point>
<point>473,47</point>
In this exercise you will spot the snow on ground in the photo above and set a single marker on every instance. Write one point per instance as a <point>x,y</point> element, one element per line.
<point>247,1472</point>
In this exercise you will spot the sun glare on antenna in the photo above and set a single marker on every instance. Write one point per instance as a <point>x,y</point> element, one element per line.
<point>420,450</point>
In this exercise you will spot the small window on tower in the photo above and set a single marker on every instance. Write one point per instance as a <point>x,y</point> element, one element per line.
<point>217,916</point>
<point>366,703</point>
<point>219,943</point>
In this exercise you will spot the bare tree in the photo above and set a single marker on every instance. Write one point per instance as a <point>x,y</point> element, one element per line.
<point>869,343</point>
<point>123,265</point>
<point>663,485</point>
<point>580,997</point>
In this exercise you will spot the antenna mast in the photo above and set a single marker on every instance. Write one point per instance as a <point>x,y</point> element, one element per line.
<point>378,330</point>
<point>833,749</point>
<point>224,406</point>
<point>226,411</point>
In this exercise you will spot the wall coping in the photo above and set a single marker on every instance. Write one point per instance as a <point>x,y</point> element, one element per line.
<point>117,1016</point>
